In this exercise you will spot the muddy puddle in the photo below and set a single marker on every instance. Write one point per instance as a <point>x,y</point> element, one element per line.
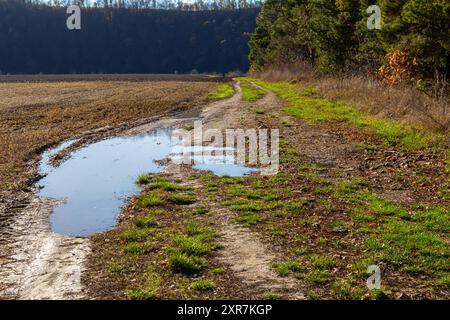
<point>94,183</point>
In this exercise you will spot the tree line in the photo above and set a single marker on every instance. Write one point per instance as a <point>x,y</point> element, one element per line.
<point>34,39</point>
<point>334,37</point>
<point>154,4</point>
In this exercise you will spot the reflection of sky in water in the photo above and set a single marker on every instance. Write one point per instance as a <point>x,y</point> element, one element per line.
<point>221,161</point>
<point>95,180</point>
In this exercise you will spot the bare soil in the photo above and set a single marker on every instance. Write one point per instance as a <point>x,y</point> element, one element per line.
<point>244,253</point>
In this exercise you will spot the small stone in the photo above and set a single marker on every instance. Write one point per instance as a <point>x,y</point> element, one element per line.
<point>340,229</point>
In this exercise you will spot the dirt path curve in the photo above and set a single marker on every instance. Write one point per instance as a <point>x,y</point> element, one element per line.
<point>242,251</point>
<point>39,264</point>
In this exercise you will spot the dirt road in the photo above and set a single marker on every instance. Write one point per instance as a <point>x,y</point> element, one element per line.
<point>324,233</point>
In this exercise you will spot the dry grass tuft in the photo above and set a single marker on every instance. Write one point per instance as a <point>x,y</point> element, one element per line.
<point>403,103</point>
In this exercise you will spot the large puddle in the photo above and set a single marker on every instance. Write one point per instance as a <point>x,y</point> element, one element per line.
<point>95,181</point>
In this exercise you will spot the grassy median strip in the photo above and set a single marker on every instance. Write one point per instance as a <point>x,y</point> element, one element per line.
<point>223,91</point>
<point>250,92</point>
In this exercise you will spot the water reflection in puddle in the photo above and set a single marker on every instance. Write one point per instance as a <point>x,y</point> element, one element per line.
<point>95,181</point>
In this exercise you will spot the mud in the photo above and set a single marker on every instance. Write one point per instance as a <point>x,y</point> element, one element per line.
<point>39,264</point>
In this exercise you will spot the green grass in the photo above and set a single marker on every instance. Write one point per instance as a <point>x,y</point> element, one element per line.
<point>201,211</point>
<point>411,240</point>
<point>346,289</point>
<point>318,276</point>
<point>188,252</point>
<point>116,268</point>
<point>144,221</point>
<point>203,285</point>
<point>188,127</point>
<point>222,91</point>
<point>150,199</point>
<point>272,296</point>
<point>140,294</point>
<point>321,262</point>
<point>251,93</point>
<point>149,289</point>
<point>133,248</point>
<point>164,184</point>
<point>183,198</point>
<point>192,245</point>
<point>249,219</point>
<point>200,230</point>
<point>287,267</point>
<point>410,247</point>
<point>305,104</point>
<point>184,263</point>
<point>132,235</point>
<point>218,270</point>
<point>143,179</point>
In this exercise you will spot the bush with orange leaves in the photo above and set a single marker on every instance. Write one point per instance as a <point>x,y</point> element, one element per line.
<point>397,70</point>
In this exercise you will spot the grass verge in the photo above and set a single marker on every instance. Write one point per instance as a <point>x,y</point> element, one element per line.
<point>223,91</point>
<point>250,92</point>
<point>305,103</point>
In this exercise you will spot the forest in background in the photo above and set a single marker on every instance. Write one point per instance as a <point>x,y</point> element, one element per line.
<point>120,38</point>
<point>332,36</point>
<point>191,5</point>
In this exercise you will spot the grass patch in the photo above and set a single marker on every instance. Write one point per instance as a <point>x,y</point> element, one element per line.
<point>164,184</point>
<point>321,262</point>
<point>192,245</point>
<point>184,263</point>
<point>143,179</point>
<point>287,267</point>
<point>305,104</point>
<point>199,230</point>
<point>133,248</point>
<point>183,198</point>
<point>144,221</point>
<point>203,285</point>
<point>140,294</point>
<point>201,211</point>
<point>222,91</point>
<point>149,289</point>
<point>272,296</point>
<point>189,251</point>
<point>249,219</point>
<point>250,92</point>
<point>218,271</point>
<point>318,276</point>
<point>150,199</point>
<point>132,235</point>
<point>188,127</point>
<point>345,289</point>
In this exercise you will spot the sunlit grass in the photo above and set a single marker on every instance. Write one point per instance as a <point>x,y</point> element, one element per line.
<point>305,104</point>
<point>222,91</point>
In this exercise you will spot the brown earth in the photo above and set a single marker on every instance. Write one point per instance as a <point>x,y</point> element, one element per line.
<point>34,116</point>
<point>37,115</point>
<point>332,147</point>
<point>247,252</point>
